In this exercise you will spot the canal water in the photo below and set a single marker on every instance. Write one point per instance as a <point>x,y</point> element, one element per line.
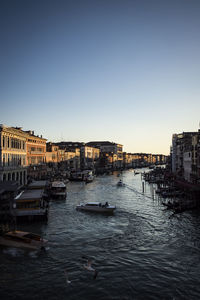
<point>140,252</point>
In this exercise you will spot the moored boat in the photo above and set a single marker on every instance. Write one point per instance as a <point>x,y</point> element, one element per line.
<point>22,239</point>
<point>89,178</point>
<point>96,207</point>
<point>86,175</point>
<point>58,189</point>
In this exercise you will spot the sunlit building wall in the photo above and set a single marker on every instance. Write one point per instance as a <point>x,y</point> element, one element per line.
<point>36,149</point>
<point>13,155</point>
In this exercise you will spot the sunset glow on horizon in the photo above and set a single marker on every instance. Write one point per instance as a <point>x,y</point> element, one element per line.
<point>119,71</point>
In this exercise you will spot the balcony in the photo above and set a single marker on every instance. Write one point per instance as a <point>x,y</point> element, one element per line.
<point>36,152</point>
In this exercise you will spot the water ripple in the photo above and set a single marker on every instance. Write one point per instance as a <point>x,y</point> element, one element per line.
<point>140,252</point>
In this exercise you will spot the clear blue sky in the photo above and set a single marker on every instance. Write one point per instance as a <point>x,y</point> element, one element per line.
<point>117,70</point>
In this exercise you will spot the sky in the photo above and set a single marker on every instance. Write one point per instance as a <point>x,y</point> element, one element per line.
<point>124,71</point>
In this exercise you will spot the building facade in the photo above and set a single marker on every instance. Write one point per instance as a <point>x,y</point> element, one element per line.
<point>52,153</point>
<point>13,155</point>
<point>185,156</point>
<point>36,149</point>
<point>113,149</point>
<point>89,157</point>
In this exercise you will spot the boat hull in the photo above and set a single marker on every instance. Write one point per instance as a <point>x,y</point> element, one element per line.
<point>58,195</point>
<point>108,210</point>
<point>17,240</point>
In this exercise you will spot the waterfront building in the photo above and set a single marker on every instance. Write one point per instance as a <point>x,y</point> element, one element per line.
<point>127,160</point>
<point>36,156</point>
<point>198,158</point>
<point>70,160</point>
<point>173,152</point>
<point>68,146</point>
<point>185,156</point>
<point>71,154</point>
<point>36,149</point>
<point>31,205</point>
<point>158,159</point>
<point>67,156</point>
<point>136,159</point>
<point>61,155</point>
<point>142,159</point>
<point>51,153</point>
<point>113,149</point>
<point>13,155</point>
<point>194,154</point>
<point>89,157</point>
<point>113,161</point>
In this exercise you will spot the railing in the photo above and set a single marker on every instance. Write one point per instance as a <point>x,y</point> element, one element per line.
<point>36,152</point>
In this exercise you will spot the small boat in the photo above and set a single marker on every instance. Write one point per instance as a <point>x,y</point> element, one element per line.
<point>136,173</point>
<point>58,189</point>
<point>86,175</point>
<point>21,239</point>
<point>89,178</point>
<point>120,183</point>
<point>96,207</point>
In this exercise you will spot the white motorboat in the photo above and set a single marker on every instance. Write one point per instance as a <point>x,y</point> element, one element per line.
<point>120,183</point>
<point>21,239</point>
<point>58,189</point>
<point>96,207</point>
<point>86,175</point>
